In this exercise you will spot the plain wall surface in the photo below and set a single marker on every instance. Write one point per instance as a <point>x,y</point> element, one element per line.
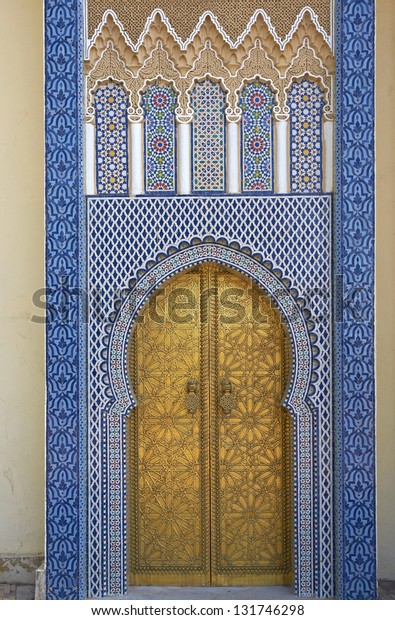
<point>21,272</point>
<point>22,268</point>
<point>385,285</point>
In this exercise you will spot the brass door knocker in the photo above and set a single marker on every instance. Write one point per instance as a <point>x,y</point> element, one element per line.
<point>191,397</point>
<point>227,400</point>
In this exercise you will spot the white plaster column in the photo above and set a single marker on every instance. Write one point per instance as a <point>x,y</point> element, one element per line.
<point>328,157</point>
<point>184,158</point>
<point>281,157</point>
<point>233,176</point>
<point>137,158</point>
<point>90,159</point>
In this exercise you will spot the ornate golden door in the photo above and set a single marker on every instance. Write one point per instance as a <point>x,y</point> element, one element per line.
<point>209,499</point>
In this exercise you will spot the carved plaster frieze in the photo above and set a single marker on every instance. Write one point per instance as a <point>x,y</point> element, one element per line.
<point>233,18</point>
<point>232,58</point>
<point>208,54</point>
<point>209,65</point>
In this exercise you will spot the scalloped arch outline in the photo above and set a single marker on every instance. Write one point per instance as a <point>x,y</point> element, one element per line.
<point>289,304</point>
<point>296,400</point>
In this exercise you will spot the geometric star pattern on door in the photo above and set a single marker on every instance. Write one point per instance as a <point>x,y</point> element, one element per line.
<point>212,477</point>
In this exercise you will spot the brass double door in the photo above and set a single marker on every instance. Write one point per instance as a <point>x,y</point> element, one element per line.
<point>208,444</point>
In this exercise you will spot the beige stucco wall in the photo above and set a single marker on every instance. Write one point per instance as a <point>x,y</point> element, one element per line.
<point>22,266</point>
<point>21,271</point>
<point>385,273</point>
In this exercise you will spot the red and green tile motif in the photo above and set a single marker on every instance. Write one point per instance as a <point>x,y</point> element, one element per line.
<point>256,102</point>
<point>159,103</point>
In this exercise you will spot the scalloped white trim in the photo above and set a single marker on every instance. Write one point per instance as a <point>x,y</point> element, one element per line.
<point>233,44</point>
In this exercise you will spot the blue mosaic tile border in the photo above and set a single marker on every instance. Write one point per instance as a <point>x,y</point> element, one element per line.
<point>65,500</point>
<point>354,337</point>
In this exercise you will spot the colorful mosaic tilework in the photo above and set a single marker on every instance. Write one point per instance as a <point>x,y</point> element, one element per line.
<point>256,101</point>
<point>306,102</point>
<point>111,105</point>
<point>159,103</point>
<point>208,137</point>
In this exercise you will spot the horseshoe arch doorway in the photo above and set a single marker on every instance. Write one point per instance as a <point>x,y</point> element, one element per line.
<point>209,442</point>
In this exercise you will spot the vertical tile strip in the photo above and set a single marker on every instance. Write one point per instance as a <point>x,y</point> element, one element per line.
<point>306,101</point>
<point>354,364</point>
<point>159,103</point>
<point>208,137</point>
<point>256,102</point>
<point>64,190</point>
<point>112,166</point>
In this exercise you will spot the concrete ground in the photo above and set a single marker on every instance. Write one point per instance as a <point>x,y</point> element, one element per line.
<point>16,592</point>
<point>386,591</point>
<point>247,593</point>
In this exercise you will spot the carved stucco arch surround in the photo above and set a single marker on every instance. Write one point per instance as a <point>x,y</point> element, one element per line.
<point>296,399</point>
